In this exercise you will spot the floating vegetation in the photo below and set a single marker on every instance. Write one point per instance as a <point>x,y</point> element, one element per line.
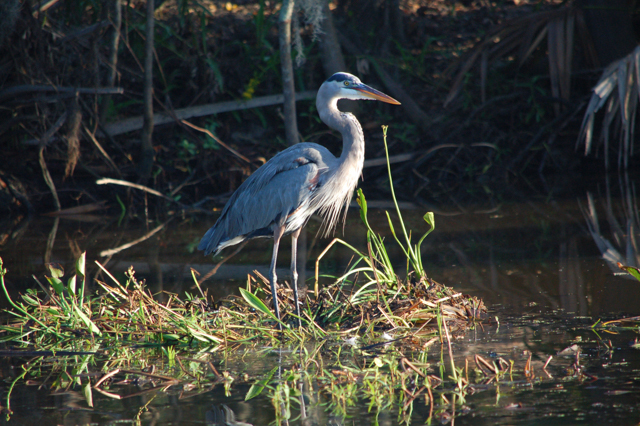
<point>63,314</point>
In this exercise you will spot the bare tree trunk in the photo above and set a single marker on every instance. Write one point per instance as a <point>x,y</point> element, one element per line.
<point>74,120</point>
<point>332,58</point>
<point>397,27</point>
<point>146,157</point>
<point>8,16</point>
<point>288,88</point>
<point>115,16</point>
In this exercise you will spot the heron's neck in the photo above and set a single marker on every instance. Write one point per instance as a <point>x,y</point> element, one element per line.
<point>352,137</point>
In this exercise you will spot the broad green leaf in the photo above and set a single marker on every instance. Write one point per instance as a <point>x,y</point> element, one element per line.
<point>431,220</point>
<point>257,388</point>
<point>72,285</point>
<point>170,337</point>
<point>88,394</point>
<point>56,270</point>
<point>634,272</point>
<point>58,286</point>
<point>80,265</point>
<point>256,303</point>
<point>30,300</point>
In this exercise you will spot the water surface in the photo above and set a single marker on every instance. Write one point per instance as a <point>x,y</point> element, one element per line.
<point>545,266</point>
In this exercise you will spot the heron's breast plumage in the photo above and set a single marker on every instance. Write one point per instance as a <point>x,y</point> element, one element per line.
<point>334,195</point>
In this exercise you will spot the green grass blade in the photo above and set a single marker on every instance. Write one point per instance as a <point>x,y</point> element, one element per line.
<point>256,303</point>
<point>87,321</point>
<point>81,273</point>
<point>393,193</point>
<point>393,232</point>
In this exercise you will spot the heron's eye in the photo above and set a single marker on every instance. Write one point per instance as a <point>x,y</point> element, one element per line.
<point>346,83</point>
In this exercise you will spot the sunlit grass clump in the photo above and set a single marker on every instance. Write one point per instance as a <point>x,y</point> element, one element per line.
<point>64,313</point>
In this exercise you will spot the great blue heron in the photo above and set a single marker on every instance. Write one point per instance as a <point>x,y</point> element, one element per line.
<point>279,198</point>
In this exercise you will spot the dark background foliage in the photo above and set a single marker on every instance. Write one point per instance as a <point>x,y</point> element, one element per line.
<point>503,120</point>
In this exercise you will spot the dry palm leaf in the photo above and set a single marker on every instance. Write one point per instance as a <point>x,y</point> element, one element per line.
<point>521,37</point>
<point>621,106</point>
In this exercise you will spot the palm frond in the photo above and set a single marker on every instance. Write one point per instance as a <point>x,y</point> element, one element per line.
<point>521,37</point>
<point>621,109</point>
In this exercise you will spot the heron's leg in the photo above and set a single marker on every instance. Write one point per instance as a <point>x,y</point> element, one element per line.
<point>294,271</point>
<point>277,235</point>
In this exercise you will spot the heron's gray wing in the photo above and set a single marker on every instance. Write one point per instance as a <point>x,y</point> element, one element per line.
<point>289,159</point>
<point>275,190</point>
<point>282,185</point>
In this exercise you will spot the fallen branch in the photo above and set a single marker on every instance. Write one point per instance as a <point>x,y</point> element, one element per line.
<point>135,123</point>
<point>17,90</point>
<point>106,181</point>
<point>381,161</point>
<point>102,151</point>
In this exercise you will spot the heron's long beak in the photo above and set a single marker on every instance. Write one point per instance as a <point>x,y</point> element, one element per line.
<point>375,94</point>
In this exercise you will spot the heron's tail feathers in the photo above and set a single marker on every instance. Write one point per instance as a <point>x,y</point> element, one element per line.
<point>215,240</point>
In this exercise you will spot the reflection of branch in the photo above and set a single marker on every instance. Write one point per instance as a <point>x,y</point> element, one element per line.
<point>43,164</point>
<point>213,271</point>
<point>624,248</point>
<point>113,251</point>
<point>51,241</point>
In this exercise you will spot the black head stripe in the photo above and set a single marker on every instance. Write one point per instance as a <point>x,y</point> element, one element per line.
<point>339,77</point>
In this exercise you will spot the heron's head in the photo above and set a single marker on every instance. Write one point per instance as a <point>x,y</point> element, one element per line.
<point>342,85</point>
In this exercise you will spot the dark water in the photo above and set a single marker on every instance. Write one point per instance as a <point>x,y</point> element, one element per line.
<point>545,266</point>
